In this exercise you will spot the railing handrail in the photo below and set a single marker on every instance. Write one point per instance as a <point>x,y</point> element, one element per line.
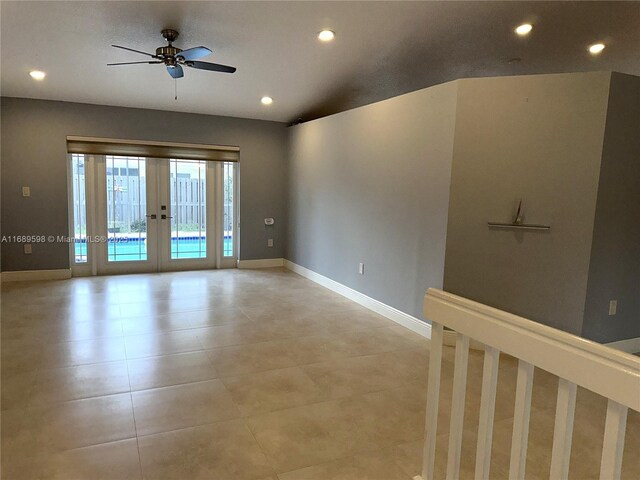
<point>603,370</point>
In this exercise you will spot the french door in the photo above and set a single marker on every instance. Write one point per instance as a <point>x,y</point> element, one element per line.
<point>150,214</point>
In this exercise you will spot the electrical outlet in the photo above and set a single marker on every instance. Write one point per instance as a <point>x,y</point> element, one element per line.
<point>613,307</point>
<point>270,242</point>
<point>361,268</point>
<point>27,249</point>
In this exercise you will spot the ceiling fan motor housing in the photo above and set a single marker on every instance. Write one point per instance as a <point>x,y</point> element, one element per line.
<point>168,51</point>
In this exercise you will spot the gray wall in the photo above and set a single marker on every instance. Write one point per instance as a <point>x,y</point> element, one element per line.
<point>34,154</point>
<point>538,138</point>
<point>614,272</point>
<point>372,185</point>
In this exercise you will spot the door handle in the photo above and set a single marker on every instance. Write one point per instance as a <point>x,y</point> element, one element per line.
<point>152,216</point>
<point>164,217</point>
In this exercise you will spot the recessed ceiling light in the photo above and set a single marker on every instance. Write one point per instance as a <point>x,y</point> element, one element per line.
<point>37,74</point>
<point>596,48</point>
<point>266,100</point>
<point>326,35</point>
<point>524,29</point>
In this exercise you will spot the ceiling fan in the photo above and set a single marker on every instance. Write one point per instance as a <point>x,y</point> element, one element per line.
<point>174,58</point>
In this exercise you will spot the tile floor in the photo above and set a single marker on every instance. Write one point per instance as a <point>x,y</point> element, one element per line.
<point>233,375</point>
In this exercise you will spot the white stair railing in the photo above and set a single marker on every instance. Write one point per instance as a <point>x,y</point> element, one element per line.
<point>576,361</point>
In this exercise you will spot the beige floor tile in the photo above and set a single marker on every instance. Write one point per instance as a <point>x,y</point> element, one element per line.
<point>107,461</point>
<point>305,436</point>
<point>389,417</point>
<point>371,466</point>
<point>338,345</point>
<point>311,349</point>
<point>84,352</point>
<point>65,330</point>
<point>253,357</point>
<point>273,390</point>
<point>216,316</point>
<point>16,388</point>
<point>70,331</point>
<point>67,425</point>
<point>153,324</point>
<point>26,467</point>
<point>236,334</point>
<point>408,456</point>
<point>149,345</point>
<point>83,381</point>
<point>66,340</point>
<point>225,450</point>
<point>414,362</point>
<point>356,375</point>
<point>23,355</point>
<point>166,370</point>
<point>356,320</point>
<point>181,406</point>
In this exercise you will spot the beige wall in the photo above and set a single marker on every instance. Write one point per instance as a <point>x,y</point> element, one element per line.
<point>538,138</point>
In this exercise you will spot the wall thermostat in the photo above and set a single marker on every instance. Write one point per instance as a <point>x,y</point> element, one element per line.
<point>269,221</point>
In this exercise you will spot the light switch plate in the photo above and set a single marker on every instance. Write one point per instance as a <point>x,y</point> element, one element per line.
<point>26,191</point>
<point>27,249</point>
<point>270,242</point>
<point>613,307</point>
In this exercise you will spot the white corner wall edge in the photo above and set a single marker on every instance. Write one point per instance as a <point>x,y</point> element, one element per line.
<point>404,319</point>
<point>630,345</point>
<point>35,275</point>
<point>261,263</point>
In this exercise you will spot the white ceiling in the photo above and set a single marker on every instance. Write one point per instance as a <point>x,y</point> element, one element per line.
<point>382,49</point>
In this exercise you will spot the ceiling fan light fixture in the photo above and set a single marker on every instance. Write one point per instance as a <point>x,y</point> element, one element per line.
<point>524,29</point>
<point>596,48</point>
<point>266,100</point>
<point>37,74</point>
<point>326,35</point>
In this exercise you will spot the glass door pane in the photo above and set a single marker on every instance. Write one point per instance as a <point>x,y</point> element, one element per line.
<point>188,194</point>
<point>79,200</point>
<point>126,185</point>
<point>228,209</point>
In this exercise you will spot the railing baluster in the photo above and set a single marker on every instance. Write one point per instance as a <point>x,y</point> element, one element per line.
<point>524,387</point>
<point>576,361</point>
<point>457,406</point>
<point>613,445</point>
<point>487,410</point>
<point>563,430</point>
<point>433,396</point>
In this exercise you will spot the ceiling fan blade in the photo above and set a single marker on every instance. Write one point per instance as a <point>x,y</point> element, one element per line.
<point>133,63</point>
<point>132,50</point>
<point>212,67</point>
<point>176,71</point>
<point>194,53</point>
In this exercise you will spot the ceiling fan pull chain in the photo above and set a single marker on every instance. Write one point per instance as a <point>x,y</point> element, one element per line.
<point>175,89</point>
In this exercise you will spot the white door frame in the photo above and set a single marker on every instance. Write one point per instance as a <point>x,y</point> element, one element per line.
<point>104,267</point>
<point>167,264</point>
<point>158,230</point>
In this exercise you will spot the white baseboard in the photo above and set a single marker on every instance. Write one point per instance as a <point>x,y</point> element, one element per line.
<point>261,263</point>
<point>404,319</point>
<point>630,345</point>
<point>35,275</point>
